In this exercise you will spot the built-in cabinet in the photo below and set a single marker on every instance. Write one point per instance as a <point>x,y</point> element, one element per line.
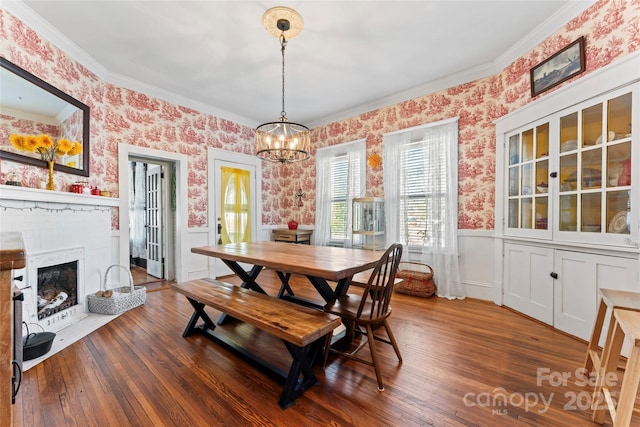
<point>567,195</point>
<point>569,175</point>
<point>560,287</point>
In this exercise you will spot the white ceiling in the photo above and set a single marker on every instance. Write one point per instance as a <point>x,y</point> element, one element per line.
<point>351,57</point>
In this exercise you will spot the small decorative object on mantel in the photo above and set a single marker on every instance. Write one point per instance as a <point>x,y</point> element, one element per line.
<point>293,225</point>
<point>13,179</point>
<point>300,195</point>
<point>47,148</point>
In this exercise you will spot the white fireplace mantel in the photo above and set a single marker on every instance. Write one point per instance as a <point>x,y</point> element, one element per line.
<point>63,223</point>
<point>10,192</point>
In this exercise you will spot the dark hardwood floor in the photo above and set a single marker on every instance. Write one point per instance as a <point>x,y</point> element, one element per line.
<point>466,363</point>
<point>141,277</point>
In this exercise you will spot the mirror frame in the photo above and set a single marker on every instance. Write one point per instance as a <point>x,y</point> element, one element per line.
<point>6,64</point>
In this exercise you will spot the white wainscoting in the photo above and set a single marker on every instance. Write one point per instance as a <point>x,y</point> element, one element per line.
<point>476,263</point>
<point>476,258</point>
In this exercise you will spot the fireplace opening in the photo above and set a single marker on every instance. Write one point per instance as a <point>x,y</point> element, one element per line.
<point>57,288</point>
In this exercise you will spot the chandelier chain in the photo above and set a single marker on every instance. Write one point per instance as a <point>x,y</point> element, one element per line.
<point>283,44</point>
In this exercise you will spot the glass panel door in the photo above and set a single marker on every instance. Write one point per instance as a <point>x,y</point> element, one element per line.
<point>528,172</point>
<point>595,168</point>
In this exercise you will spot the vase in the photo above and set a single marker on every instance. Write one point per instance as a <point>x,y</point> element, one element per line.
<point>50,184</point>
<point>625,175</point>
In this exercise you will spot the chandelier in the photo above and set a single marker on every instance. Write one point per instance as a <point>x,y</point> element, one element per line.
<point>283,141</point>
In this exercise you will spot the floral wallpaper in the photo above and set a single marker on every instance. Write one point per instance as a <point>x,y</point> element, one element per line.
<point>119,115</point>
<point>611,29</point>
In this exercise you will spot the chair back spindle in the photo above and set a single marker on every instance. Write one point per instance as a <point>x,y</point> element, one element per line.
<point>379,289</point>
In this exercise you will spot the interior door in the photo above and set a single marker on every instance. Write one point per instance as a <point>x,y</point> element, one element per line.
<point>155,249</point>
<point>235,206</point>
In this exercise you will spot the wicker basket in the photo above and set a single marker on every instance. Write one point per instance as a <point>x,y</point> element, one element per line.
<point>417,279</point>
<point>122,299</point>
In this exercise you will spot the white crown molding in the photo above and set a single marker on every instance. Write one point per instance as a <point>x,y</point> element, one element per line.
<point>548,27</point>
<point>572,9</point>
<point>542,31</point>
<point>174,98</point>
<point>452,80</point>
<point>24,13</point>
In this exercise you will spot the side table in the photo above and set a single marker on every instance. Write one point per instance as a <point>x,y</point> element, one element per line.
<point>292,236</point>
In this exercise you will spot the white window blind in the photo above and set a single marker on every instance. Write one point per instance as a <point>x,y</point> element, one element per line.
<point>421,198</point>
<point>338,206</point>
<point>339,178</point>
<point>420,180</point>
<point>423,193</point>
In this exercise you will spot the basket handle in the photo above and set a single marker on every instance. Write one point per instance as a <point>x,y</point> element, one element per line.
<point>104,284</point>
<point>418,263</point>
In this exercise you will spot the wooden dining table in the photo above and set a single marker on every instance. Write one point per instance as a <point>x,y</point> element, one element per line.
<point>319,264</point>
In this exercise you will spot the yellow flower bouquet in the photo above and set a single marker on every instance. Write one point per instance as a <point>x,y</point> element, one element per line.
<point>45,145</point>
<point>47,148</point>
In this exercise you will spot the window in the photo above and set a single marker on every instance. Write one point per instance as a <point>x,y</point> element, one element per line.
<point>340,176</point>
<point>421,185</point>
<point>340,167</point>
<point>422,209</point>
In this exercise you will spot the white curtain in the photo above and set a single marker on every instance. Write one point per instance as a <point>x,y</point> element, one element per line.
<point>354,152</point>
<point>323,195</point>
<point>137,210</point>
<point>439,148</point>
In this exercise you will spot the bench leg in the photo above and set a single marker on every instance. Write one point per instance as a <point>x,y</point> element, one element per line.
<point>303,357</point>
<point>198,313</point>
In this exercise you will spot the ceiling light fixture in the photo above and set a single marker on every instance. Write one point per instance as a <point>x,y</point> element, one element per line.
<point>283,141</point>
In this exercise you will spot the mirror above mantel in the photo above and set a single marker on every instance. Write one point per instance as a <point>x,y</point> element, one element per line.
<point>31,106</point>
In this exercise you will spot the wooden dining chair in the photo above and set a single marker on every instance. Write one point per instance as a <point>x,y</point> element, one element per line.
<point>370,310</point>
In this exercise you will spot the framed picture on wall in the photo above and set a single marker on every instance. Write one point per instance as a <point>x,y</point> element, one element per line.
<point>564,64</point>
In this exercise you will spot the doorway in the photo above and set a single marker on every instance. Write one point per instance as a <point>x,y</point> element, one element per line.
<point>151,220</point>
<point>235,196</point>
<point>171,206</point>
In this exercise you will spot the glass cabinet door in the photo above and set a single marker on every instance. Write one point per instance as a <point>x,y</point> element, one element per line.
<point>595,168</point>
<point>528,175</point>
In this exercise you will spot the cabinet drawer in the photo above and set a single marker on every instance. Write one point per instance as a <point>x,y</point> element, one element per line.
<point>285,237</point>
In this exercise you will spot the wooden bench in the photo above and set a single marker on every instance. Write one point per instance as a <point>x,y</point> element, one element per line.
<point>303,330</point>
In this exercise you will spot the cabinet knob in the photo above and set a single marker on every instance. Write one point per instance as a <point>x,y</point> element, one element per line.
<point>554,275</point>
<point>553,174</point>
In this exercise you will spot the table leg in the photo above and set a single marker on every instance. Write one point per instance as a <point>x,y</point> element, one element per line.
<point>248,280</point>
<point>342,287</point>
<point>284,279</point>
<point>323,288</point>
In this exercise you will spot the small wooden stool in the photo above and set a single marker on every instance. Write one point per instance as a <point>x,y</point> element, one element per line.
<point>611,299</point>
<point>626,324</point>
